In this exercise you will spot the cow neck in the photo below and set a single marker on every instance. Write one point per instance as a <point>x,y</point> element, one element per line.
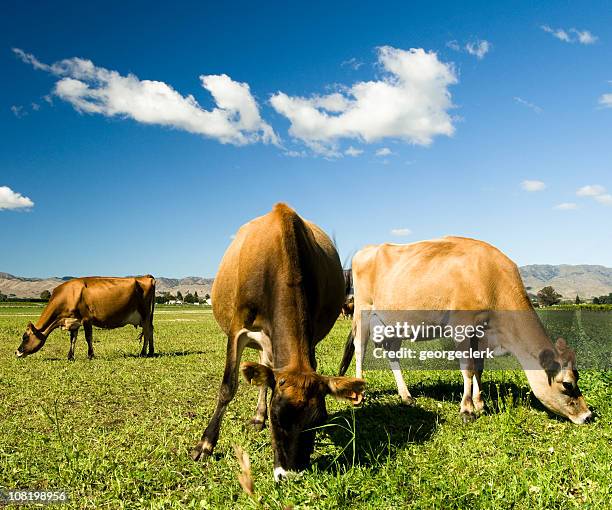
<point>529,340</point>
<point>291,344</point>
<point>48,320</point>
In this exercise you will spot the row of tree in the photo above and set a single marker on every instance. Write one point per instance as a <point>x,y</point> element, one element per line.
<point>548,296</point>
<point>603,300</point>
<point>190,298</point>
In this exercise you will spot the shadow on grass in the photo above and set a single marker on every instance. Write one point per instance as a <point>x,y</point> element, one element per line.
<point>497,394</point>
<point>165,354</point>
<point>371,434</point>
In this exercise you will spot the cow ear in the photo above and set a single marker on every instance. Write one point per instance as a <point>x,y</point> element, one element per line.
<point>566,353</point>
<point>561,344</point>
<point>549,364</point>
<point>257,374</point>
<point>346,388</point>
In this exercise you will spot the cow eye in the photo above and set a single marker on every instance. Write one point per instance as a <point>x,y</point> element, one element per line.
<point>281,381</point>
<point>568,386</point>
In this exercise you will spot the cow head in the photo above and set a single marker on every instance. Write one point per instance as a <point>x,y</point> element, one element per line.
<point>560,392</point>
<point>31,341</point>
<point>297,406</point>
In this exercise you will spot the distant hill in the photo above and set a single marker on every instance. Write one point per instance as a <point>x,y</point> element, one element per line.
<point>585,280</point>
<point>21,287</point>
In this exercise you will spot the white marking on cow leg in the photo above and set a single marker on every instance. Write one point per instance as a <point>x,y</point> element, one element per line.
<point>279,474</point>
<point>467,405</point>
<point>476,392</point>
<point>402,389</point>
<point>261,412</point>
<point>359,341</point>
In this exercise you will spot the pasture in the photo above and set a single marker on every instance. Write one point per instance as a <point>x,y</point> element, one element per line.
<point>116,432</point>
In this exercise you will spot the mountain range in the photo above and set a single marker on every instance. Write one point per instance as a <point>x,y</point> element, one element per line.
<point>585,281</point>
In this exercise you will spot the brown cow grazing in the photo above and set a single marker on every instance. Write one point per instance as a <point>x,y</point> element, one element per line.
<point>94,301</point>
<point>348,308</point>
<point>279,290</point>
<point>456,273</point>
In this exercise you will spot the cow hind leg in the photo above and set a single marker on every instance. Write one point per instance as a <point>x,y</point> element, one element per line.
<point>145,343</point>
<point>147,331</point>
<point>73,337</point>
<point>476,392</point>
<point>467,404</point>
<point>89,337</point>
<point>235,346</point>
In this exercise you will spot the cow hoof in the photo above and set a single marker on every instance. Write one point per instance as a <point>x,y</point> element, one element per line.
<point>409,401</point>
<point>91,356</point>
<point>467,417</point>
<point>143,354</point>
<point>200,452</point>
<point>70,358</point>
<point>257,425</point>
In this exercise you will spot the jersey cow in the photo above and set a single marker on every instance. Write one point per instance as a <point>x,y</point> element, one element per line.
<point>456,273</point>
<point>279,289</point>
<point>94,301</point>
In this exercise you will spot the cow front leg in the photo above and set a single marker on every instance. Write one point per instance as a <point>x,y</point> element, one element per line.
<point>402,389</point>
<point>88,328</point>
<point>229,384</point>
<point>73,337</point>
<point>261,411</point>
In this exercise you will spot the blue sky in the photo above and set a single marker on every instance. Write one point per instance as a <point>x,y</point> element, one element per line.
<point>122,183</point>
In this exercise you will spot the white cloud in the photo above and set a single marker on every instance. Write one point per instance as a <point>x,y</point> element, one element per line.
<point>590,190</point>
<point>595,191</point>
<point>605,100</point>
<point>533,185</point>
<point>478,48</point>
<point>92,89</point>
<point>454,45</point>
<point>35,107</point>
<point>571,35</point>
<point>10,199</point>
<point>566,206</point>
<point>352,151</point>
<point>584,36</point>
<point>18,111</point>
<point>605,199</point>
<point>559,33</point>
<point>295,154</point>
<point>409,102</point>
<point>534,107</point>
<point>401,232</point>
<point>353,63</point>
<point>385,151</point>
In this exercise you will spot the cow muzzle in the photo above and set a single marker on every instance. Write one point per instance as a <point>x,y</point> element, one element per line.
<point>585,417</point>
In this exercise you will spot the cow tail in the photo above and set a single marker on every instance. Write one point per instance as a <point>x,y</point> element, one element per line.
<point>349,351</point>
<point>152,302</point>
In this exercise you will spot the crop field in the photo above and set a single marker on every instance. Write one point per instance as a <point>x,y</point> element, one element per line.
<point>116,431</point>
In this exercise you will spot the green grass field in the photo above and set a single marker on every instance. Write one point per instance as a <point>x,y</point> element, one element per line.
<point>115,432</point>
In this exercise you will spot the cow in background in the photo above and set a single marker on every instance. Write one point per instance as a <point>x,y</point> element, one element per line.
<point>104,302</point>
